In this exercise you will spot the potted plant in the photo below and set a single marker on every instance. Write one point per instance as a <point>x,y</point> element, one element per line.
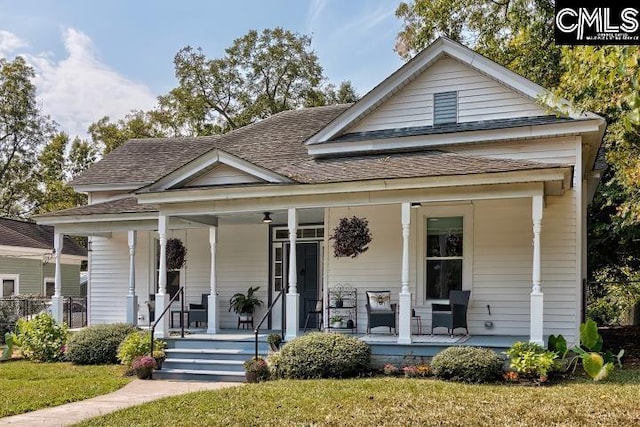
<point>336,321</point>
<point>338,297</point>
<point>159,355</point>
<point>143,367</point>
<point>274,341</point>
<point>176,254</point>
<point>244,305</point>
<point>256,369</point>
<point>351,237</point>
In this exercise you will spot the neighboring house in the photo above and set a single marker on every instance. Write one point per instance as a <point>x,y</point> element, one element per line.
<point>26,260</point>
<point>451,147</point>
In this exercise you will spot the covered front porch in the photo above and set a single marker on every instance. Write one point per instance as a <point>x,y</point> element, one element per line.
<point>230,248</point>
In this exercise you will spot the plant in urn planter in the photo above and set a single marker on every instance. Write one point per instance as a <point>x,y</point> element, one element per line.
<point>143,367</point>
<point>245,305</point>
<point>256,369</point>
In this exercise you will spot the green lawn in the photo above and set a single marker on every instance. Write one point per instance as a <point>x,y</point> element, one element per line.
<point>395,402</point>
<point>27,386</point>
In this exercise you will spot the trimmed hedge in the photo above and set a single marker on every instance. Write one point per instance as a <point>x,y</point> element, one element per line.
<point>97,345</point>
<point>323,355</point>
<point>468,364</point>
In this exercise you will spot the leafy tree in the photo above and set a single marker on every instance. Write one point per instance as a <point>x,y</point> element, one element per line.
<point>515,33</point>
<point>56,169</point>
<point>260,74</point>
<point>110,135</point>
<point>23,132</point>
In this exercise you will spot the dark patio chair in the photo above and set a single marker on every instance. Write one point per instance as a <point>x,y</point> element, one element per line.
<point>198,313</point>
<point>380,311</point>
<point>452,315</point>
<point>314,308</point>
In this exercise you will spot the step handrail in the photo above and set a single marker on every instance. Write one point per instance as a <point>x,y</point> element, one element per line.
<point>256,331</point>
<point>153,328</point>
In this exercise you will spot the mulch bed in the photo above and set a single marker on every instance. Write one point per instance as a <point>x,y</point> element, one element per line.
<point>623,337</point>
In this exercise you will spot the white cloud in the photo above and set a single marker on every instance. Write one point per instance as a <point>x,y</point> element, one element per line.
<point>315,10</point>
<point>80,89</point>
<point>9,43</point>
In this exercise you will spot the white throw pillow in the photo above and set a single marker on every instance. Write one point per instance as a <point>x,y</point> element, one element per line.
<point>379,301</point>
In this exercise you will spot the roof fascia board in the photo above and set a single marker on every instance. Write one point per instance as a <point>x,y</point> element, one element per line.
<point>211,158</point>
<point>82,188</point>
<point>364,198</point>
<point>455,138</point>
<point>211,194</point>
<point>5,249</point>
<point>117,217</point>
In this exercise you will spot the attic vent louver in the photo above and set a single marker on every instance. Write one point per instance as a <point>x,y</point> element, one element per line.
<point>445,108</point>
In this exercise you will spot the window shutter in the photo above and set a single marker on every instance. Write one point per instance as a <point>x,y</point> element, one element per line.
<point>445,108</point>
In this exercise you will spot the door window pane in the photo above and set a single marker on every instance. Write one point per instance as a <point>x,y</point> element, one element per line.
<point>49,288</point>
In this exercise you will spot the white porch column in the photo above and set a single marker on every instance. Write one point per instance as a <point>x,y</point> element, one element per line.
<point>293,298</point>
<point>162,298</point>
<point>57,303</point>
<point>132,298</point>
<point>404,316</point>
<point>212,312</point>
<point>537,298</point>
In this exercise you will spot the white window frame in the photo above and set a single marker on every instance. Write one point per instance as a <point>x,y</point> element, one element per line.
<point>464,210</point>
<point>15,278</point>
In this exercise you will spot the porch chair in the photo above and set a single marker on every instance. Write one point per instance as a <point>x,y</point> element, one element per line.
<point>380,311</point>
<point>452,315</point>
<point>198,313</point>
<point>314,308</point>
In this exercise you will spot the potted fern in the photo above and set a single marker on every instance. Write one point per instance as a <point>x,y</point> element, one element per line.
<point>245,305</point>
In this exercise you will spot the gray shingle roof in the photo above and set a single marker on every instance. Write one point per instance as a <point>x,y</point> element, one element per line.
<point>31,235</point>
<point>277,144</point>
<point>273,142</point>
<point>401,165</point>
<point>453,128</point>
<point>119,206</point>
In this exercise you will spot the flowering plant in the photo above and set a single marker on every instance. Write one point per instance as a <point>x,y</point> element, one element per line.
<point>256,369</point>
<point>423,370</point>
<point>390,369</point>
<point>410,371</point>
<point>143,362</point>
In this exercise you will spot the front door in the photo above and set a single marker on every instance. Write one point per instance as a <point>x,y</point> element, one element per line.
<point>307,264</point>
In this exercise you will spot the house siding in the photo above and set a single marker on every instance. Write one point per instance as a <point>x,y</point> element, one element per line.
<point>222,175</point>
<point>32,273</point>
<point>551,150</point>
<point>479,98</point>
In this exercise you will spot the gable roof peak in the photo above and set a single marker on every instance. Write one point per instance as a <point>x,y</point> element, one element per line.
<point>442,46</point>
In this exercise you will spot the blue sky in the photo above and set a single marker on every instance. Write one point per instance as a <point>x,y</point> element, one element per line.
<point>106,57</point>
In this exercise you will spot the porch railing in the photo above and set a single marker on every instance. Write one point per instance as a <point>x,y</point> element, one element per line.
<point>153,328</point>
<point>269,310</point>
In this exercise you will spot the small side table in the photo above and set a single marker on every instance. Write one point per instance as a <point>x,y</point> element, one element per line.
<point>418,321</point>
<point>173,316</point>
<point>245,322</point>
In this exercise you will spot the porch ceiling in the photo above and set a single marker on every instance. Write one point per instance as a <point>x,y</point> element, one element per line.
<point>305,216</point>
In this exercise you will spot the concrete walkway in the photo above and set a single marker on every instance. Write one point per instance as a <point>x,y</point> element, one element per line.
<point>134,393</point>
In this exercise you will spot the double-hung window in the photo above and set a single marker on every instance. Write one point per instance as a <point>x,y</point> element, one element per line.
<point>444,256</point>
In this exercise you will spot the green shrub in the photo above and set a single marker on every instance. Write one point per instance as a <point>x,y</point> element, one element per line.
<point>469,364</point>
<point>323,355</point>
<point>531,360</point>
<point>97,345</point>
<point>138,344</point>
<point>41,338</point>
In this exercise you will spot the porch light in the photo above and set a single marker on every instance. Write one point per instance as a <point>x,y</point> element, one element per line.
<point>415,205</point>
<point>267,218</point>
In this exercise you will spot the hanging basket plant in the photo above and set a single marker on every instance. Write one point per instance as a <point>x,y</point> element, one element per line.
<point>351,237</point>
<point>176,254</point>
